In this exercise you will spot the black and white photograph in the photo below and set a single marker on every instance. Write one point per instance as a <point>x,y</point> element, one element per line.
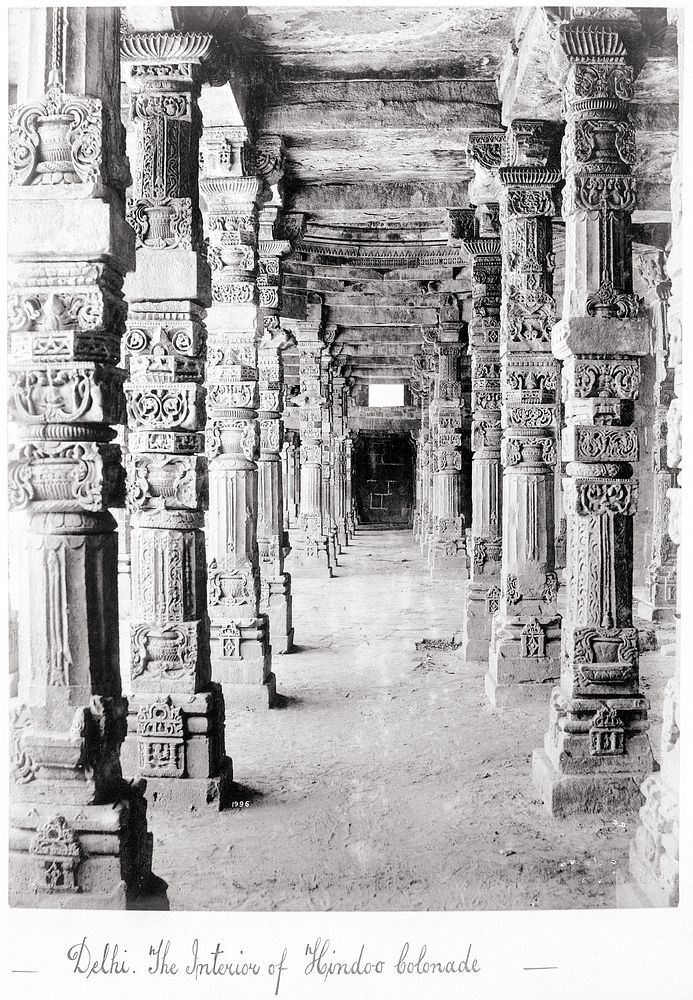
<point>344,535</point>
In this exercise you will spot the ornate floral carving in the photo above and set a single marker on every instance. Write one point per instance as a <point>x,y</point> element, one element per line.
<point>58,140</point>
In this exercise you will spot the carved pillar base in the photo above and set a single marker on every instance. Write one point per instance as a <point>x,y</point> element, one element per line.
<point>178,736</point>
<point>343,533</point>
<point>312,558</point>
<point>77,857</point>
<point>242,663</point>
<point>587,764</point>
<point>524,660</point>
<point>525,649</point>
<point>480,606</point>
<point>276,602</point>
<point>448,558</point>
<point>333,545</point>
<point>654,612</point>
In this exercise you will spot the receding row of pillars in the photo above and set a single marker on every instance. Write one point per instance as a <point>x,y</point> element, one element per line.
<point>558,389</point>
<point>210,489</point>
<point>147,369</point>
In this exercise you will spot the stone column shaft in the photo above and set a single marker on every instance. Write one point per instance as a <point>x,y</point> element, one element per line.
<point>448,551</point>
<point>69,249</point>
<point>292,480</point>
<point>654,849</point>
<point>348,472</point>
<point>275,595</point>
<point>311,545</point>
<point>172,694</point>
<point>660,604</point>
<point>339,464</point>
<point>240,640</point>
<point>597,749</point>
<point>328,482</point>
<point>524,655</point>
<point>275,583</point>
<point>484,251</point>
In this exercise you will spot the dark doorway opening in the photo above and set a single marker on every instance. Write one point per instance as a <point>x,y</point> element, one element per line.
<point>383,478</point>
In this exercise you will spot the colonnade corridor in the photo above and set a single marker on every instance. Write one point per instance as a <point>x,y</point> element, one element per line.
<point>345,394</point>
<point>384,780</point>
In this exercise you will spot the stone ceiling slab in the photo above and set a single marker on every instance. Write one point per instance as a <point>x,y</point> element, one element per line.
<point>331,41</point>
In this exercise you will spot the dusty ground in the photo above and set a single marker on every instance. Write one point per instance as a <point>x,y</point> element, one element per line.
<point>385,781</point>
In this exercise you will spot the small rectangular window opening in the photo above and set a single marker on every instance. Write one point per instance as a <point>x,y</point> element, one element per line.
<point>386,395</point>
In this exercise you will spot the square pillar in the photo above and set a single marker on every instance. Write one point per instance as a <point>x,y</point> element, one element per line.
<point>240,635</point>
<point>176,720</point>
<point>78,830</point>
<point>524,655</point>
<point>597,750</point>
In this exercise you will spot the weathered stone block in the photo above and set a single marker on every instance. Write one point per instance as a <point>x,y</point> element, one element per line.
<point>169,275</point>
<point>599,335</point>
<point>68,228</point>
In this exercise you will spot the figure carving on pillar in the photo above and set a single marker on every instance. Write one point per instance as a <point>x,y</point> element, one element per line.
<point>597,750</point>
<point>78,830</point>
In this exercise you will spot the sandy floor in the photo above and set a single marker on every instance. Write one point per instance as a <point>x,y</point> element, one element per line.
<point>385,780</point>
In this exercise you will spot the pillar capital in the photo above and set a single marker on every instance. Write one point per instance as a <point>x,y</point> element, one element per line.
<point>484,152</point>
<point>176,58</point>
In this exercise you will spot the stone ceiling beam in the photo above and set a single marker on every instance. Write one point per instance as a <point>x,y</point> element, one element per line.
<point>372,195</point>
<point>373,104</point>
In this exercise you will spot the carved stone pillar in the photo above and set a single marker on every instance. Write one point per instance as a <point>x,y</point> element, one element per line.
<point>654,849</point>
<point>416,386</point>
<point>329,519</point>
<point>240,642</point>
<point>524,655</point>
<point>339,455</point>
<point>176,722</point>
<point>484,251</point>
<point>661,572</point>
<point>428,370</point>
<point>291,479</point>
<point>69,249</point>
<point>448,550</point>
<point>597,749</point>
<point>349,503</point>
<point>275,583</point>
<point>272,537</point>
<point>311,543</point>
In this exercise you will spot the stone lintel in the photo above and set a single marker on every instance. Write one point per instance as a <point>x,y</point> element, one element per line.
<point>91,228</point>
<point>169,275</point>
<point>595,335</point>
